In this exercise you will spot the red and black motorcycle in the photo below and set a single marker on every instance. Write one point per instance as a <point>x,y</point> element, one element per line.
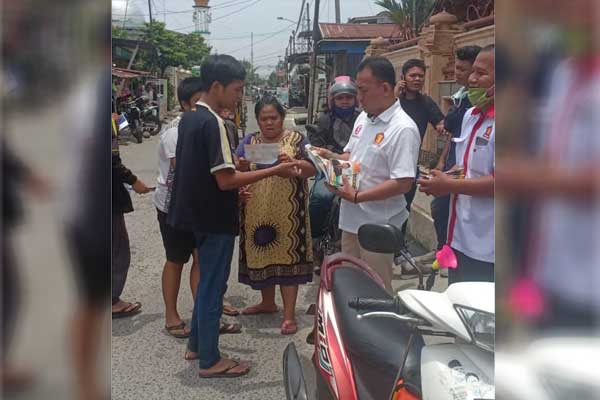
<point>355,358</point>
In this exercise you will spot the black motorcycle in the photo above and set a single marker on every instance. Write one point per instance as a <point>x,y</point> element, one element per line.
<point>142,116</point>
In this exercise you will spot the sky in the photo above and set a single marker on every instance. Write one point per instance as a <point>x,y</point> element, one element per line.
<point>230,34</point>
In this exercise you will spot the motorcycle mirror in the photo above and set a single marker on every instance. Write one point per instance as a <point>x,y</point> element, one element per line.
<point>293,377</point>
<point>378,238</point>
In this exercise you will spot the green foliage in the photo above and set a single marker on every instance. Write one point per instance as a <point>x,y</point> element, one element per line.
<point>273,80</point>
<point>401,11</point>
<point>119,33</point>
<point>173,48</point>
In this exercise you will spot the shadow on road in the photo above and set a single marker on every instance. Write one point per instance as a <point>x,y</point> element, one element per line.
<point>129,326</point>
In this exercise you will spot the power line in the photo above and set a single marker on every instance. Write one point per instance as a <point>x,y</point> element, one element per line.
<point>262,40</point>
<point>237,11</point>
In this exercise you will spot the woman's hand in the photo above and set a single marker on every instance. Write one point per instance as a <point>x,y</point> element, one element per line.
<point>242,164</point>
<point>244,195</point>
<point>284,158</point>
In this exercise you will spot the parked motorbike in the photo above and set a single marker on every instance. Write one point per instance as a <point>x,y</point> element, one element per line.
<point>132,113</point>
<point>151,122</point>
<point>143,117</point>
<point>370,346</point>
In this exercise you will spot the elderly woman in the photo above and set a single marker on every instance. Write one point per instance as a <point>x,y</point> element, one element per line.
<point>275,243</point>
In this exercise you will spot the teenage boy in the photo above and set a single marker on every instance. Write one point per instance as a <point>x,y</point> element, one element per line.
<point>205,201</point>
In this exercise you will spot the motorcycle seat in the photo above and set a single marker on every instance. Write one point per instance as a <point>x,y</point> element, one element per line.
<point>376,346</point>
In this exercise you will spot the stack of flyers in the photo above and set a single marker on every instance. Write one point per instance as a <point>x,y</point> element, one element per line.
<point>335,170</point>
<point>455,172</point>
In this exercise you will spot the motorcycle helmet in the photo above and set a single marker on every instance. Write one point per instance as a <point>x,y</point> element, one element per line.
<point>342,86</point>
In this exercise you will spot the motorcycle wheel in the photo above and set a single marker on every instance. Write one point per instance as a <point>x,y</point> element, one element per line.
<point>138,134</point>
<point>153,125</point>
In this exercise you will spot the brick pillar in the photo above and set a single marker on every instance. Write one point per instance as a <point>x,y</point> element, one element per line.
<point>377,47</point>
<point>436,43</point>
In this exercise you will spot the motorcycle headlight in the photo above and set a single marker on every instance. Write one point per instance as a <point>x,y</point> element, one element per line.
<point>481,325</point>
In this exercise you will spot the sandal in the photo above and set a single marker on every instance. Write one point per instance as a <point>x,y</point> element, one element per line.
<point>193,356</point>
<point>129,311</point>
<point>259,309</point>
<point>171,330</point>
<point>230,310</point>
<point>289,327</point>
<point>227,372</point>
<point>230,328</point>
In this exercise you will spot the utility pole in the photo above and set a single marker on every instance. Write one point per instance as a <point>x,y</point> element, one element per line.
<point>251,58</point>
<point>150,11</point>
<point>337,11</point>
<point>307,41</point>
<point>313,80</point>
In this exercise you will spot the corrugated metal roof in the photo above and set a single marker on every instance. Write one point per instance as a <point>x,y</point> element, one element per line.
<point>128,73</point>
<point>359,31</point>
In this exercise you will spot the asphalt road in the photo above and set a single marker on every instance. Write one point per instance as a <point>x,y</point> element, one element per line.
<point>148,364</point>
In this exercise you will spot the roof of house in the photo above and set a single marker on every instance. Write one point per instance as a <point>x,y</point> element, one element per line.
<point>128,73</point>
<point>359,31</point>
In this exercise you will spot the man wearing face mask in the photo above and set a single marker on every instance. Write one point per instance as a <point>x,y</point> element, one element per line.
<point>333,132</point>
<point>463,66</point>
<point>471,224</point>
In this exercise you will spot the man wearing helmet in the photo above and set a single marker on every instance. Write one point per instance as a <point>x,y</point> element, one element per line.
<point>333,132</point>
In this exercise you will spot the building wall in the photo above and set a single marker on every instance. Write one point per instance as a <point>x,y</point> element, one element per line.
<point>437,48</point>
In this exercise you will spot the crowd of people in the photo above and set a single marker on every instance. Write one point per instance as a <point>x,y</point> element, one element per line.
<point>208,193</point>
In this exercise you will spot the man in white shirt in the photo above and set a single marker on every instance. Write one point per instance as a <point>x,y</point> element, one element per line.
<point>385,141</point>
<point>471,223</point>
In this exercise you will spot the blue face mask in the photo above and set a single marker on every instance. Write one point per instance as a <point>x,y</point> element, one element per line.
<point>343,112</point>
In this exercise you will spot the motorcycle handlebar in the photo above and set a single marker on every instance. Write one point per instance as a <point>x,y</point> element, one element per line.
<point>369,304</point>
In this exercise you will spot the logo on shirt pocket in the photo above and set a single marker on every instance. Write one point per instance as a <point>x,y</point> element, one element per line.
<point>357,131</point>
<point>379,138</point>
<point>487,133</point>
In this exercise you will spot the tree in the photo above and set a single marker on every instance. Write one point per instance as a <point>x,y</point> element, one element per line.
<point>407,13</point>
<point>252,76</point>
<point>172,48</point>
<point>119,33</point>
<point>273,80</point>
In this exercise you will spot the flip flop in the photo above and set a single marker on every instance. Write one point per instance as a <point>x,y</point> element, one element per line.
<point>230,328</point>
<point>180,327</point>
<point>256,309</point>
<point>230,310</point>
<point>197,357</point>
<point>129,311</point>
<point>289,327</point>
<point>225,373</point>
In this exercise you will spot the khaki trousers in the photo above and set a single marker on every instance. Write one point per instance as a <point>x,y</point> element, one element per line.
<point>380,263</point>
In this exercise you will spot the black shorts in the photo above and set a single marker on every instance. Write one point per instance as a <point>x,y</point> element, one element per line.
<point>179,244</point>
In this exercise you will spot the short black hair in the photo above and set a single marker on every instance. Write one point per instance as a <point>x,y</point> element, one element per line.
<point>189,87</point>
<point>269,101</point>
<point>221,68</point>
<point>381,68</point>
<point>468,53</point>
<point>413,62</point>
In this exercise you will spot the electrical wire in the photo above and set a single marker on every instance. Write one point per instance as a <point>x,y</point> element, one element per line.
<point>237,11</point>
<point>262,40</point>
